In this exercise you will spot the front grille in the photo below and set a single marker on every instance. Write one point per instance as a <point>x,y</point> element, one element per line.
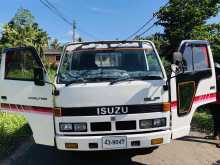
<point>126,125</point>
<point>101,126</point>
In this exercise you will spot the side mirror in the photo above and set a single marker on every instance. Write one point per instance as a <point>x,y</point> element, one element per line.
<point>177,66</point>
<point>39,77</point>
<point>177,58</point>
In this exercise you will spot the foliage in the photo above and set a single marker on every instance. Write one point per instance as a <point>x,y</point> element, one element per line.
<point>23,17</point>
<point>211,33</point>
<point>202,121</point>
<point>12,129</point>
<point>80,39</point>
<point>167,65</point>
<point>55,44</point>
<point>21,31</point>
<point>181,17</point>
<point>51,73</point>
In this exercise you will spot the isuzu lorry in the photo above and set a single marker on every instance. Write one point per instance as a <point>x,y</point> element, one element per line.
<point>108,95</point>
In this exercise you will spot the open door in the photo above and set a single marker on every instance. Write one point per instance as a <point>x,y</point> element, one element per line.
<point>20,93</point>
<point>194,87</point>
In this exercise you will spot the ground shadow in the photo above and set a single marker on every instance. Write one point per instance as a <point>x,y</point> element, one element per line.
<point>42,155</point>
<point>217,162</point>
<point>197,139</point>
<point>9,142</point>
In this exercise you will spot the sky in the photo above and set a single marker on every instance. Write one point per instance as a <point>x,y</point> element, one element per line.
<point>95,19</point>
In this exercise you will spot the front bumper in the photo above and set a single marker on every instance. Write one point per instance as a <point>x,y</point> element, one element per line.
<point>83,141</point>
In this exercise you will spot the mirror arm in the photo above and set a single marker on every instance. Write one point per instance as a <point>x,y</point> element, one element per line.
<point>55,91</point>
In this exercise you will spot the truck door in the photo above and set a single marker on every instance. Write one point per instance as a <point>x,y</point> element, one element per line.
<point>19,93</point>
<point>195,87</point>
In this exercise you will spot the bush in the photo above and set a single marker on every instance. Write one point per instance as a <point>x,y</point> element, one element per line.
<point>13,128</point>
<point>53,66</point>
<point>202,121</point>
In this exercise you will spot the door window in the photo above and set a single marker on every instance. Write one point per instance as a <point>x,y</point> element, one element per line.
<point>187,59</point>
<point>195,58</point>
<point>186,92</point>
<point>20,64</point>
<point>200,58</point>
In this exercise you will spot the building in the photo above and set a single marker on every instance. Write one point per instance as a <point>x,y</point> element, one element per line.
<point>53,56</point>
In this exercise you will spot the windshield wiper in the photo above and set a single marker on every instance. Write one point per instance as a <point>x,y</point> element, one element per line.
<point>122,79</point>
<point>136,79</point>
<point>151,78</point>
<point>81,80</point>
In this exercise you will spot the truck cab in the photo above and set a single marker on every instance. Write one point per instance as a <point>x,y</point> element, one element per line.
<point>108,95</point>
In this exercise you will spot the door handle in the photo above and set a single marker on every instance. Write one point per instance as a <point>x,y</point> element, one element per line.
<point>212,87</point>
<point>4,97</point>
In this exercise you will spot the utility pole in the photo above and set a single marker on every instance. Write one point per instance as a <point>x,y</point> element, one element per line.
<point>74,31</point>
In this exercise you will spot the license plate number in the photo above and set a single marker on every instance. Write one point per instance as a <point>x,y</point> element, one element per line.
<point>114,142</point>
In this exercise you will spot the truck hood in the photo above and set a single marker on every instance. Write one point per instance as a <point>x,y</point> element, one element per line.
<point>104,94</point>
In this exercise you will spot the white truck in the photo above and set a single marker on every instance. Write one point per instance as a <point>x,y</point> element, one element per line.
<point>108,95</point>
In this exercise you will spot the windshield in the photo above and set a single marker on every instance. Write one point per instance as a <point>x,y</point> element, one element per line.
<point>107,65</point>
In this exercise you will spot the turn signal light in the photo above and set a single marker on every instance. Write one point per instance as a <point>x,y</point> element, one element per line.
<point>157,141</point>
<point>71,145</point>
<point>166,107</point>
<point>57,112</point>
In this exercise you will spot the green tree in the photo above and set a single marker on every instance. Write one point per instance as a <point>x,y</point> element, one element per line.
<point>23,17</point>
<point>55,44</point>
<point>22,31</point>
<point>210,32</point>
<point>181,17</point>
<point>80,39</point>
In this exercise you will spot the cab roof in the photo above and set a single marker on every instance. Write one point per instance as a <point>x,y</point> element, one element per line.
<point>108,45</point>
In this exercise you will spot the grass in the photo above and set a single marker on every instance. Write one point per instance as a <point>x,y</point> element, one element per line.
<point>202,122</point>
<point>13,128</point>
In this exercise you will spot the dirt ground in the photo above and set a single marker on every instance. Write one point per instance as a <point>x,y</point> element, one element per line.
<point>191,150</point>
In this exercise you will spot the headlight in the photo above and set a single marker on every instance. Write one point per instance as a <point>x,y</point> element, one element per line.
<point>66,127</point>
<point>161,122</point>
<point>73,127</point>
<point>152,123</point>
<point>79,127</point>
<point>144,124</point>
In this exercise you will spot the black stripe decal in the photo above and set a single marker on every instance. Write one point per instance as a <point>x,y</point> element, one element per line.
<point>92,111</point>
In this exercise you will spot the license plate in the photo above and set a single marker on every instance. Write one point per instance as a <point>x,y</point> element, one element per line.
<point>114,142</point>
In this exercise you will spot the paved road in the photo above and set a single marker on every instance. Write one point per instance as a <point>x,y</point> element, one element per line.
<point>192,150</point>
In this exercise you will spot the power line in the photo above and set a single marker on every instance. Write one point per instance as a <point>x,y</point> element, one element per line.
<point>147,30</point>
<point>136,32</point>
<point>57,12</point>
<point>145,24</point>
<point>53,10</point>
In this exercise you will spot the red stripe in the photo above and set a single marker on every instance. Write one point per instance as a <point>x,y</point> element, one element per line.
<point>44,110</point>
<point>197,99</point>
<point>173,104</point>
<point>24,108</point>
<point>3,105</point>
<point>37,109</point>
